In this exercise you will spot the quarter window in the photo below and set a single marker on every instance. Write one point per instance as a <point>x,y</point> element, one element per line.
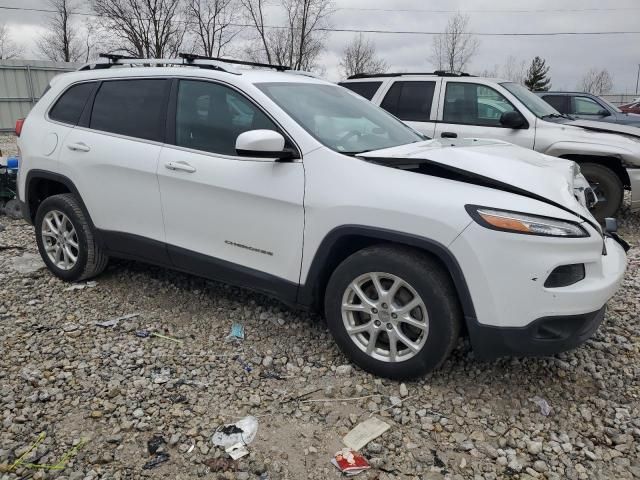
<point>474,104</point>
<point>210,116</point>
<point>69,106</point>
<point>135,108</point>
<point>364,89</point>
<point>410,101</point>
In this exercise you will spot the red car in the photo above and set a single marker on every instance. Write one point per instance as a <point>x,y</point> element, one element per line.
<point>633,107</point>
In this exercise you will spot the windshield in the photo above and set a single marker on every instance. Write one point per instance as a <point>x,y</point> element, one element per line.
<point>338,118</point>
<point>534,103</point>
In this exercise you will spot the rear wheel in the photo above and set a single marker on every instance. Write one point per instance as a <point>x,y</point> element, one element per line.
<point>393,311</point>
<point>66,240</point>
<point>607,187</point>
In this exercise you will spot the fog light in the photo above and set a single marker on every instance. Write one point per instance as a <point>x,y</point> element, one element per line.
<point>565,275</point>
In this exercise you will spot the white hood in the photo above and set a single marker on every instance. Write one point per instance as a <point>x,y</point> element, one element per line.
<point>545,176</point>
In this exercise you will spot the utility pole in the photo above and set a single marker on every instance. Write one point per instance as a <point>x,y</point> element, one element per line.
<point>638,79</point>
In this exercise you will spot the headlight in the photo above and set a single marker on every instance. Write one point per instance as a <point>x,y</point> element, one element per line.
<point>524,223</point>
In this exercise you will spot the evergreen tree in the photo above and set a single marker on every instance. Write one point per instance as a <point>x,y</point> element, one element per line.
<point>537,80</point>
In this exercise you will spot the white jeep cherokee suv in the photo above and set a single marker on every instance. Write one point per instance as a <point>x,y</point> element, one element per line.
<point>305,191</point>
<point>442,105</point>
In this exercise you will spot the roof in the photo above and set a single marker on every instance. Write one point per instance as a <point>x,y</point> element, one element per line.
<point>245,75</point>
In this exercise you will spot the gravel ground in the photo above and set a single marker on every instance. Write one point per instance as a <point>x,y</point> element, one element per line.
<point>108,391</point>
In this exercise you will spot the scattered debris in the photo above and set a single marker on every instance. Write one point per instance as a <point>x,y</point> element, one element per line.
<point>237,450</point>
<point>237,332</point>
<point>350,462</point>
<point>147,333</point>
<point>243,431</point>
<point>114,321</point>
<point>60,465</point>
<point>191,448</point>
<point>81,286</point>
<point>9,247</point>
<point>155,461</point>
<point>272,374</point>
<point>177,398</point>
<point>155,443</point>
<point>160,376</point>
<point>246,367</point>
<point>365,432</point>
<point>545,408</point>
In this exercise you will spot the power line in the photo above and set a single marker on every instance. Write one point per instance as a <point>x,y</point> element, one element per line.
<point>541,10</point>
<point>383,32</point>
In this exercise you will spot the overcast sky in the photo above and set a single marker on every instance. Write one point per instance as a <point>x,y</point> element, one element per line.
<point>568,56</point>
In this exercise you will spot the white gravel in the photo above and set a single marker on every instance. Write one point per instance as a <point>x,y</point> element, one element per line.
<point>62,374</point>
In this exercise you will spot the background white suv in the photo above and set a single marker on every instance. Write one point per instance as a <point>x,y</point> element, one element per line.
<point>303,190</point>
<point>461,106</point>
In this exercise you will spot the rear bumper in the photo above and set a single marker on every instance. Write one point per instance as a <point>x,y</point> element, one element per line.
<point>634,181</point>
<point>545,336</point>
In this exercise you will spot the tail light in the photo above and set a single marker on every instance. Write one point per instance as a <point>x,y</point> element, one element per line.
<point>19,124</point>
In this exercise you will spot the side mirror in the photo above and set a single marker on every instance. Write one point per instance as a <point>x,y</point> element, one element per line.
<point>604,113</point>
<point>263,144</point>
<point>512,120</point>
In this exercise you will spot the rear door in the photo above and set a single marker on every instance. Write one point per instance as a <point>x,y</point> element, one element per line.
<point>473,110</point>
<point>112,158</point>
<point>415,102</point>
<point>561,103</point>
<point>366,89</point>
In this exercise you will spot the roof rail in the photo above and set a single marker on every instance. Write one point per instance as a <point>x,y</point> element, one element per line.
<point>190,57</point>
<point>437,73</point>
<point>121,60</point>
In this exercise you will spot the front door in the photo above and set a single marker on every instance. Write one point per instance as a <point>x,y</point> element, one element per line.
<point>233,218</point>
<point>473,110</point>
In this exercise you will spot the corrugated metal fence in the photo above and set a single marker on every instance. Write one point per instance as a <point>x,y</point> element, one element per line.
<point>22,82</point>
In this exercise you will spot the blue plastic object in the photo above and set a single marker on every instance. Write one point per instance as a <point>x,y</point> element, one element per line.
<point>12,163</point>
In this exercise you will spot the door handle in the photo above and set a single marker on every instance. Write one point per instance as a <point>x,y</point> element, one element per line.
<point>78,147</point>
<point>182,166</point>
<point>449,135</point>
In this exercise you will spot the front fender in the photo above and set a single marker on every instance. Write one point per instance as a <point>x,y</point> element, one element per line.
<point>568,148</point>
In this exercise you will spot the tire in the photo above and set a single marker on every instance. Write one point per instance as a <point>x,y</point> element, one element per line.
<point>608,188</point>
<point>12,209</point>
<point>423,278</point>
<point>90,257</point>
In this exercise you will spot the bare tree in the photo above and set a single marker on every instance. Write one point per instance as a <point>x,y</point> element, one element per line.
<point>360,57</point>
<point>453,49</point>
<point>514,70</point>
<point>62,41</point>
<point>144,28</point>
<point>300,42</point>
<point>213,21</point>
<point>8,48</point>
<point>596,82</point>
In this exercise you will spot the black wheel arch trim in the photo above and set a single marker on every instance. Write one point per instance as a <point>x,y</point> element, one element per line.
<point>310,293</point>
<point>56,177</point>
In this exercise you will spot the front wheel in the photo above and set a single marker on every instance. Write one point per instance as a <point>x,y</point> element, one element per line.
<point>607,187</point>
<point>393,311</point>
<point>66,240</point>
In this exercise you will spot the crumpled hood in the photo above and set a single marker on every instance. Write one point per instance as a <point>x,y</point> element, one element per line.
<point>544,176</point>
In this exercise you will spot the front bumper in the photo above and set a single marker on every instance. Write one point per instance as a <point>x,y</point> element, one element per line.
<point>634,182</point>
<point>544,336</point>
<point>515,314</point>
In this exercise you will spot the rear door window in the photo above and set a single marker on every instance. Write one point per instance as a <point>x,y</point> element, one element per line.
<point>559,102</point>
<point>410,101</point>
<point>364,89</point>
<point>135,108</point>
<point>69,106</point>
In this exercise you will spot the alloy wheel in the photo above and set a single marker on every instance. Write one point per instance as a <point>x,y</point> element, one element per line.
<point>60,240</point>
<point>385,317</point>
